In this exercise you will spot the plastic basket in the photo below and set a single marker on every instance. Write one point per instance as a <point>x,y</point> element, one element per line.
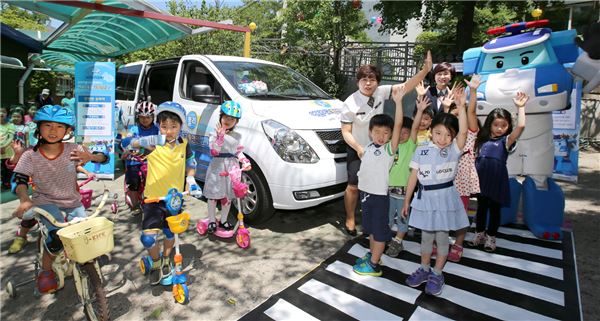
<point>178,223</point>
<point>87,240</point>
<point>86,197</point>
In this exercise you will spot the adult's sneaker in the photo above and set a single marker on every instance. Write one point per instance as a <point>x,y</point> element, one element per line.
<point>417,278</point>
<point>478,239</point>
<point>365,268</point>
<point>435,284</point>
<point>490,243</point>
<point>394,248</point>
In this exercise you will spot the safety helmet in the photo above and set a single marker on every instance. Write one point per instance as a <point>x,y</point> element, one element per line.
<point>231,108</point>
<point>145,108</point>
<point>173,107</point>
<point>57,114</point>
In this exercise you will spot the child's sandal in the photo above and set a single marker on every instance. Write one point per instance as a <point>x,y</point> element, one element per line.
<point>456,252</point>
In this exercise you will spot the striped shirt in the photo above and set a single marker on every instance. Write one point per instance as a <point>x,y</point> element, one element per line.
<point>54,180</point>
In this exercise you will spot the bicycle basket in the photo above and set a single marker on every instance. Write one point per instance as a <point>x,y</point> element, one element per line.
<point>87,240</point>
<point>178,223</point>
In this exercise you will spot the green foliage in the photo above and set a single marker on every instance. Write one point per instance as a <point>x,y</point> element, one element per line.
<point>444,17</point>
<point>426,40</point>
<point>219,42</point>
<point>320,28</point>
<point>18,18</point>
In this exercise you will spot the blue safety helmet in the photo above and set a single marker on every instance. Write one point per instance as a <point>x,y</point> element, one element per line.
<point>173,107</point>
<point>57,114</point>
<point>231,108</point>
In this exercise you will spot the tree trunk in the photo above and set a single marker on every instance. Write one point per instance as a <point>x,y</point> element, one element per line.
<point>465,26</point>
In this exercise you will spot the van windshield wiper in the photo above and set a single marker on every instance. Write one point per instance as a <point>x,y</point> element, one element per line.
<point>271,96</point>
<point>308,96</point>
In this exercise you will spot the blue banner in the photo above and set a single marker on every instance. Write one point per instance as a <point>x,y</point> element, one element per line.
<point>95,103</point>
<point>566,124</point>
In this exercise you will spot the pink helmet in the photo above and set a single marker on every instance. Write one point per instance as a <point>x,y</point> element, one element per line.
<point>145,108</point>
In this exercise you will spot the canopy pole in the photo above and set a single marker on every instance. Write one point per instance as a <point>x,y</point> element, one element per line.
<point>22,84</point>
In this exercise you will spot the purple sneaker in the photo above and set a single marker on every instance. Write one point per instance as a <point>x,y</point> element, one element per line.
<point>418,277</point>
<point>435,284</point>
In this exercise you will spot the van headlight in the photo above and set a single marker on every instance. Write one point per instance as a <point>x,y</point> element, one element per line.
<point>288,144</point>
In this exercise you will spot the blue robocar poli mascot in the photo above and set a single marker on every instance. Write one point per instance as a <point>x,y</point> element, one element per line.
<point>528,58</point>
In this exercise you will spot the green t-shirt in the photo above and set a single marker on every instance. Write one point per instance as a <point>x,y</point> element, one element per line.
<point>400,170</point>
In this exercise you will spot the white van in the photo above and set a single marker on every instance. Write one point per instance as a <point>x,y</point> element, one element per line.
<point>290,127</point>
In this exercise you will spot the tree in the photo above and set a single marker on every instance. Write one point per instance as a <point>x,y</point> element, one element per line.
<point>461,22</point>
<point>322,27</point>
<point>18,18</point>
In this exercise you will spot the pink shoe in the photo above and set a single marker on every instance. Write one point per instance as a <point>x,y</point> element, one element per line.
<point>455,254</point>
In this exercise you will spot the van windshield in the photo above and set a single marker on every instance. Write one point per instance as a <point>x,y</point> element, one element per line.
<point>269,82</point>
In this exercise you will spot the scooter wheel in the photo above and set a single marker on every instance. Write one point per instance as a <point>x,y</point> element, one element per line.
<point>10,289</point>
<point>145,264</point>
<point>243,239</point>
<point>181,293</point>
<point>201,227</point>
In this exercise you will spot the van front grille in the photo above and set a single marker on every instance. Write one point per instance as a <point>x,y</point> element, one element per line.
<point>333,140</point>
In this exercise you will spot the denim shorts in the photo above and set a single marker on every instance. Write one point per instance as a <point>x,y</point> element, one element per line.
<point>375,221</point>
<point>57,214</point>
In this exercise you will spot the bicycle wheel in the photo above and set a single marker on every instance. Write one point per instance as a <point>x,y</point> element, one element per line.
<point>95,304</point>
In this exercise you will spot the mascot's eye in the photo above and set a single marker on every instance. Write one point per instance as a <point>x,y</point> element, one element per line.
<point>525,60</point>
<point>499,64</point>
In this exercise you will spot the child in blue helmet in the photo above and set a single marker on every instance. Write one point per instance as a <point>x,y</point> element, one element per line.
<point>226,151</point>
<point>144,126</point>
<point>170,159</point>
<point>51,166</point>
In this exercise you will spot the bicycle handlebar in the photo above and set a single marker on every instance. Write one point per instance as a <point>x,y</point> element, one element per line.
<point>89,179</point>
<point>56,223</point>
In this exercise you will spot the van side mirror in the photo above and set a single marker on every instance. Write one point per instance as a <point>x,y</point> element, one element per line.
<point>203,93</point>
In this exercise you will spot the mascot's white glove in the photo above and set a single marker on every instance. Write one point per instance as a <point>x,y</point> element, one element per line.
<point>153,140</point>
<point>195,190</point>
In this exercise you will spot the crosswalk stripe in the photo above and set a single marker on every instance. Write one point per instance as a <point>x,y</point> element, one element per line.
<point>526,280</point>
<point>426,315</point>
<point>399,291</point>
<point>527,248</point>
<point>284,311</point>
<point>497,280</point>
<point>348,304</point>
<point>521,264</point>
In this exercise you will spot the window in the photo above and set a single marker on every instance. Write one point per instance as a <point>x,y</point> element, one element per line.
<point>160,83</point>
<point>127,79</point>
<point>195,73</point>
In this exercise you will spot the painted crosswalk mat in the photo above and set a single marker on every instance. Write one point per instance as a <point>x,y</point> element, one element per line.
<point>524,279</point>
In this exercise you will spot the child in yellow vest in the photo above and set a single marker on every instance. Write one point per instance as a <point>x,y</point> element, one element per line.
<point>171,164</point>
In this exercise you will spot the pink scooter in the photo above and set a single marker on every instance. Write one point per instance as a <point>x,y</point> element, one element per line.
<point>240,231</point>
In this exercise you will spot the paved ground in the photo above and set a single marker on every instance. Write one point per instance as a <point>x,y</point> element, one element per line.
<point>226,282</point>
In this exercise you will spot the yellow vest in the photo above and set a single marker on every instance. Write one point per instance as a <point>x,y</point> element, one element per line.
<point>166,170</point>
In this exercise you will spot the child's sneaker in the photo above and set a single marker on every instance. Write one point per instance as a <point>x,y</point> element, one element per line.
<point>226,226</point>
<point>365,258</point>
<point>490,244</point>
<point>455,253</point>
<point>417,278</point>
<point>212,227</point>
<point>17,244</point>
<point>394,247</point>
<point>156,272</point>
<point>366,268</point>
<point>435,284</point>
<point>46,282</point>
<point>478,239</point>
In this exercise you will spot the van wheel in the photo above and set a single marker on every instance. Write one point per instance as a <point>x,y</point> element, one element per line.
<point>257,206</point>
